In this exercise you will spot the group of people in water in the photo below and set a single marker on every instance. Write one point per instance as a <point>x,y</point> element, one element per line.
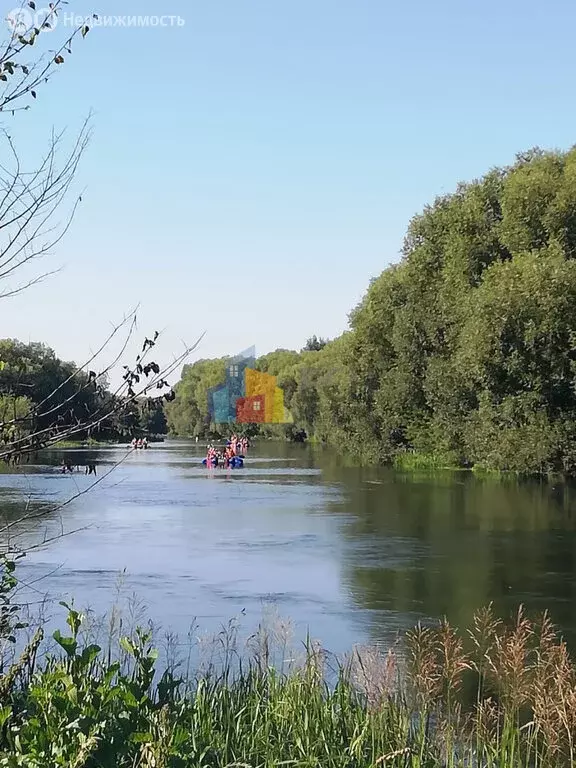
<point>235,447</point>
<point>141,442</point>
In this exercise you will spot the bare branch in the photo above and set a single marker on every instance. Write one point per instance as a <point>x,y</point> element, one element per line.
<point>30,203</point>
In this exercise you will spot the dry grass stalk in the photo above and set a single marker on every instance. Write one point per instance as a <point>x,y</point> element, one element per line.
<point>485,724</point>
<point>374,673</point>
<point>554,693</point>
<point>315,663</point>
<point>509,663</point>
<point>23,665</point>
<point>260,646</point>
<point>238,765</point>
<point>485,629</point>
<point>156,753</point>
<point>452,660</point>
<point>424,672</point>
<point>87,748</point>
<point>393,756</point>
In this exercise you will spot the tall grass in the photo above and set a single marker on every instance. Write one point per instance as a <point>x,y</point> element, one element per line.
<point>413,462</point>
<point>499,695</point>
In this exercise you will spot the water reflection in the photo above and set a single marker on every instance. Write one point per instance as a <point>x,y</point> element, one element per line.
<point>349,553</point>
<point>445,544</point>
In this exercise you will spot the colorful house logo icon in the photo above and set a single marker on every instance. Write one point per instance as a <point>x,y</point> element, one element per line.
<point>247,396</point>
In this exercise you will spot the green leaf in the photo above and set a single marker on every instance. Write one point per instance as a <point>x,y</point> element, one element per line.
<point>130,700</point>
<point>85,29</point>
<point>127,645</point>
<point>69,644</point>
<point>111,672</point>
<point>141,738</point>
<point>74,620</point>
<point>90,653</point>
<point>153,654</point>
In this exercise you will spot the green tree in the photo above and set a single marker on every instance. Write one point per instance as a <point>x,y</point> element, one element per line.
<point>466,349</point>
<point>188,414</point>
<point>153,418</point>
<point>314,344</point>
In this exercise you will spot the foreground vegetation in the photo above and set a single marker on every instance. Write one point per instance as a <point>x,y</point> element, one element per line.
<point>465,351</point>
<point>500,695</point>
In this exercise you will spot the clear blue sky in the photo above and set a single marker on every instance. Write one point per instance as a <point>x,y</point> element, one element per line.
<point>252,170</point>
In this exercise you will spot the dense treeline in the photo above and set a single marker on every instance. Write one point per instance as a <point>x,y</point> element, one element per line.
<point>464,352</point>
<point>41,393</point>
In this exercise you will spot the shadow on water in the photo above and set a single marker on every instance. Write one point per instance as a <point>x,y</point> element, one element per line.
<point>354,554</point>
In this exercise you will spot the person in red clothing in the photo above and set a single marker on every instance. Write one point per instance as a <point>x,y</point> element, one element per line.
<point>228,454</point>
<point>211,459</point>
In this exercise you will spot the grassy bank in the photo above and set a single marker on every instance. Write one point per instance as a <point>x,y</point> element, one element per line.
<point>84,444</point>
<point>499,695</point>
<point>97,443</point>
<point>412,462</point>
<point>424,462</point>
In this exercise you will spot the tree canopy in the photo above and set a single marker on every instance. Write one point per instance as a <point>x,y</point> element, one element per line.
<point>465,350</point>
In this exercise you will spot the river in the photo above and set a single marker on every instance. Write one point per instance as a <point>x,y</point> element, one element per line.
<point>351,554</point>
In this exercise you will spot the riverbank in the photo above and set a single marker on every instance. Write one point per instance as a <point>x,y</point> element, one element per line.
<point>501,695</point>
<point>85,444</point>
<point>431,462</point>
<point>66,444</point>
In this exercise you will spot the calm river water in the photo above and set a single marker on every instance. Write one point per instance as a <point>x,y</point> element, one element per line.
<point>351,554</point>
